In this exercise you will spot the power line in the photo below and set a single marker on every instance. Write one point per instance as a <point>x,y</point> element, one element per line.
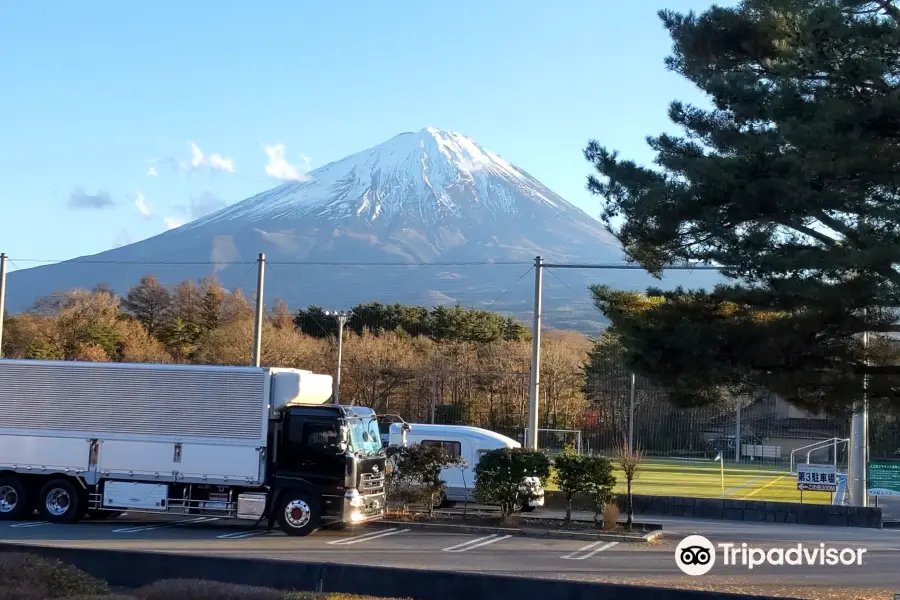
<point>630,267</point>
<point>313,263</point>
<point>582,298</point>
<point>504,292</point>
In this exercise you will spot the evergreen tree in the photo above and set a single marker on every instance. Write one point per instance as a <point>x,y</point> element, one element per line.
<point>789,182</point>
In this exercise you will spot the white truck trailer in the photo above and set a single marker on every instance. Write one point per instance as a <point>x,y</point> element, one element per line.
<point>90,439</point>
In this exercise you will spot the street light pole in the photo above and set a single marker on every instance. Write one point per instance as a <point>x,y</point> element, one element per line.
<point>341,318</point>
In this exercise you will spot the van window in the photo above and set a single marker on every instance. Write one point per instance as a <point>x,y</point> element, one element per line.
<point>453,449</point>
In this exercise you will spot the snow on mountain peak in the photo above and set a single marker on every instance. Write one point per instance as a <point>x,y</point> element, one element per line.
<point>426,176</point>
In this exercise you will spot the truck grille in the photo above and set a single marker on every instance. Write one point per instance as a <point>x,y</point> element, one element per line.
<point>371,483</point>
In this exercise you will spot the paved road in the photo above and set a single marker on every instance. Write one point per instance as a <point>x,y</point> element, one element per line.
<point>502,554</point>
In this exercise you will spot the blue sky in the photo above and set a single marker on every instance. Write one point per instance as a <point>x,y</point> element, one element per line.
<point>94,91</point>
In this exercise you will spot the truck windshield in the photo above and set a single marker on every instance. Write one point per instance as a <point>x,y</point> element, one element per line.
<point>364,436</point>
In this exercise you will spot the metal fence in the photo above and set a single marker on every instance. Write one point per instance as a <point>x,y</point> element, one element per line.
<point>595,405</point>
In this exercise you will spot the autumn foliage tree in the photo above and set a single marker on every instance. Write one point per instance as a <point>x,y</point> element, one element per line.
<point>458,365</point>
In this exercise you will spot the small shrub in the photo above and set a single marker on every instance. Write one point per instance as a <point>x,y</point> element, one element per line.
<point>415,476</point>
<point>610,517</point>
<point>601,483</point>
<point>571,476</point>
<point>197,589</point>
<point>24,573</point>
<point>499,477</point>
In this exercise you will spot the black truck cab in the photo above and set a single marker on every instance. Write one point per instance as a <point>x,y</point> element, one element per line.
<point>326,465</point>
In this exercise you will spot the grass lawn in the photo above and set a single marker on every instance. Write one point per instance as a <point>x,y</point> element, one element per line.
<point>704,480</point>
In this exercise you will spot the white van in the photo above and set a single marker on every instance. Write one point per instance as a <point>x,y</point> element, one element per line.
<point>465,441</point>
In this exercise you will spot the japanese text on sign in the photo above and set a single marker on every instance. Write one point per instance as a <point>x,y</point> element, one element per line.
<point>818,478</point>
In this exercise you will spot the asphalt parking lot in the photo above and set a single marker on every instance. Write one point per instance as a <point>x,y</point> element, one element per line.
<point>396,545</point>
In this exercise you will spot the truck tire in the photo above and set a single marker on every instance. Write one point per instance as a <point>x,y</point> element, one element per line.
<point>59,501</point>
<point>298,513</point>
<point>14,499</point>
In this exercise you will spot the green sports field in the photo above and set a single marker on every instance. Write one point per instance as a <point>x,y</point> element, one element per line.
<point>704,480</point>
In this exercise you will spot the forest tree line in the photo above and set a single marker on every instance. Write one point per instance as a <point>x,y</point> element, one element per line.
<point>453,363</point>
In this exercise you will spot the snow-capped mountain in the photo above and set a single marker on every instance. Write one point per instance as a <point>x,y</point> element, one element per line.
<point>419,198</point>
<point>430,196</point>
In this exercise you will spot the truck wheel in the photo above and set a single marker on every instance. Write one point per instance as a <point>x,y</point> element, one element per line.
<point>14,500</point>
<point>298,513</point>
<point>60,502</point>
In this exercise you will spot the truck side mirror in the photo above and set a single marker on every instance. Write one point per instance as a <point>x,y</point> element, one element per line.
<point>345,437</point>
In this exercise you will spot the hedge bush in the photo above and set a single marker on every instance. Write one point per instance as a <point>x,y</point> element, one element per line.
<point>500,474</point>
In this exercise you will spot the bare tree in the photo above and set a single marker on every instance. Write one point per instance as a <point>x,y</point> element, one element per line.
<point>629,460</point>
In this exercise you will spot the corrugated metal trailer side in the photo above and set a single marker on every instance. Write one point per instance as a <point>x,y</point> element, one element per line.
<point>134,400</point>
<point>159,422</point>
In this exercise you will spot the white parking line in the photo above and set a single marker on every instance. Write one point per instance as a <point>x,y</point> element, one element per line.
<point>366,537</point>
<point>31,524</point>
<point>589,550</point>
<point>476,543</point>
<point>240,535</point>
<point>164,525</point>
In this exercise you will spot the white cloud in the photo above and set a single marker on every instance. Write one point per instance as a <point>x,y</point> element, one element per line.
<point>198,162</point>
<point>173,222</point>
<point>279,168</point>
<point>215,162</point>
<point>141,206</point>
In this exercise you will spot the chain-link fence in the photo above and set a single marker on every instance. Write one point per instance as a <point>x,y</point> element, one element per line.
<point>594,405</point>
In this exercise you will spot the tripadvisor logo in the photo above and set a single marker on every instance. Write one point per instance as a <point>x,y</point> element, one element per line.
<point>696,555</point>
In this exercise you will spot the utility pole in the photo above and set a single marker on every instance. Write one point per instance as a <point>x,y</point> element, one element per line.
<point>341,318</point>
<point>859,438</point>
<point>257,332</point>
<point>534,392</point>
<point>737,432</point>
<point>434,394</point>
<point>2,297</point>
<point>631,415</point>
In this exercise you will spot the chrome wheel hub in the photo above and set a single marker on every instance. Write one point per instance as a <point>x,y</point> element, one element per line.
<point>297,513</point>
<point>9,499</point>
<point>58,502</point>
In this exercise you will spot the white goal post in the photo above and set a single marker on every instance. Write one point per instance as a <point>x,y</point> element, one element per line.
<point>820,445</point>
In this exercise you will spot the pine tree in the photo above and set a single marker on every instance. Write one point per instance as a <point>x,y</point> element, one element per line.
<point>789,182</point>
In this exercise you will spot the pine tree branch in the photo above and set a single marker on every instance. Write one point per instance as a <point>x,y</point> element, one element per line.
<point>888,7</point>
<point>852,237</point>
<point>838,226</point>
<point>809,231</point>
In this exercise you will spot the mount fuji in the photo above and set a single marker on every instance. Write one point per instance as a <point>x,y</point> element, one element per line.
<point>424,218</point>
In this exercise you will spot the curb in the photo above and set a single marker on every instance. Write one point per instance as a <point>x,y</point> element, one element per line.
<point>533,533</point>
